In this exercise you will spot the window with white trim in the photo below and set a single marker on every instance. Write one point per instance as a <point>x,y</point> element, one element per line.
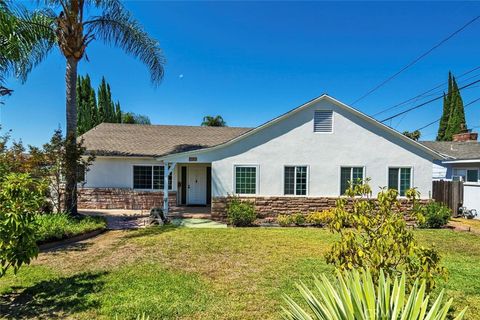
<point>323,121</point>
<point>295,180</point>
<point>350,175</point>
<point>245,179</point>
<point>466,175</point>
<point>400,179</point>
<point>150,177</point>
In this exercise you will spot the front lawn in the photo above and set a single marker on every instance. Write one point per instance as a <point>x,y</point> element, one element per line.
<point>181,273</point>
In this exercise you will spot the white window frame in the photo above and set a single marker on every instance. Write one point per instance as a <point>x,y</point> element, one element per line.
<point>148,165</point>
<point>257,179</point>
<point>398,186</point>
<point>307,191</point>
<point>333,121</point>
<point>466,174</point>
<point>364,171</point>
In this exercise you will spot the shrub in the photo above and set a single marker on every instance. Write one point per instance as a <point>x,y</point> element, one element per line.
<point>286,220</point>
<point>298,219</point>
<point>320,218</point>
<point>379,238</point>
<point>240,213</point>
<point>436,215</point>
<point>20,198</point>
<point>58,226</point>
<point>354,295</point>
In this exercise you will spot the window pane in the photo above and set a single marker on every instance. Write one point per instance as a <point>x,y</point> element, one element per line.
<point>393,178</point>
<point>357,174</point>
<point>344,179</point>
<point>301,182</point>
<point>404,180</point>
<point>459,174</point>
<point>158,172</point>
<point>158,177</point>
<point>246,180</point>
<point>289,180</point>
<point>472,175</point>
<point>142,177</point>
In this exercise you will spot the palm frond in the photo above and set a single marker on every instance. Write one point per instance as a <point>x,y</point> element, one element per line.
<point>117,27</point>
<point>26,38</point>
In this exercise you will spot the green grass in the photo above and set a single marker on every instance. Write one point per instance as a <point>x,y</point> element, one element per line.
<point>58,226</point>
<point>183,273</point>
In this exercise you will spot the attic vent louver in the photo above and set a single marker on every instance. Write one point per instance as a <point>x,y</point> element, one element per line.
<point>323,121</point>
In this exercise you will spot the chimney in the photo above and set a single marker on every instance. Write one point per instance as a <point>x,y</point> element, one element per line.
<point>466,135</point>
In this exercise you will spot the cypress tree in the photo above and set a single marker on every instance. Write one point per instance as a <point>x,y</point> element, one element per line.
<point>102,102</point>
<point>92,104</point>
<point>118,113</point>
<point>456,122</point>
<point>453,117</point>
<point>446,111</point>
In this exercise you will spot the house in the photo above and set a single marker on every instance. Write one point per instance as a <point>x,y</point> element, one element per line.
<point>298,162</point>
<point>462,162</point>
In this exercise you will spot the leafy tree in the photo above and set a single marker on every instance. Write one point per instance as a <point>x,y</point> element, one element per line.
<point>213,121</point>
<point>378,237</point>
<point>130,117</point>
<point>52,158</point>
<point>22,45</point>
<point>68,20</point>
<point>21,197</point>
<point>453,116</point>
<point>415,135</point>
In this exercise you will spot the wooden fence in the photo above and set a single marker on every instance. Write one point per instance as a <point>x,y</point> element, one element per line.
<point>449,193</point>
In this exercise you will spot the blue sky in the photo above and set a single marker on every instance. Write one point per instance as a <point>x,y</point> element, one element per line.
<point>251,61</point>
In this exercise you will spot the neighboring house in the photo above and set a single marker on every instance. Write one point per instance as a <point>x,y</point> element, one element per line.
<point>462,162</point>
<point>298,162</point>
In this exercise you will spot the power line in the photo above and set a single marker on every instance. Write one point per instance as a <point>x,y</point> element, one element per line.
<point>428,91</point>
<point>433,122</point>
<point>416,60</point>
<point>427,102</point>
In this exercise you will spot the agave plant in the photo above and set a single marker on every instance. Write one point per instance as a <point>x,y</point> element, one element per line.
<point>353,295</point>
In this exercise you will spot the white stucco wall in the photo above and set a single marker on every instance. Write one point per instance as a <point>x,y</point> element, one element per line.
<point>354,142</point>
<point>113,172</point>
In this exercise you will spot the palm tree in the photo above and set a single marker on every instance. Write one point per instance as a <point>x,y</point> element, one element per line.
<point>22,46</point>
<point>73,31</point>
<point>213,121</point>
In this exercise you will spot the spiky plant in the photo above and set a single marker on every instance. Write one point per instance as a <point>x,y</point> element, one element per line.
<point>352,295</point>
<point>74,31</point>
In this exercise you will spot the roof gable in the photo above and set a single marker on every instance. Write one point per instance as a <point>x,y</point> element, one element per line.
<point>308,104</point>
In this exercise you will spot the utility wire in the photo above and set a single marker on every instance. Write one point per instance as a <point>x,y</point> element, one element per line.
<point>428,91</point>
<point>433,122</point>
<point>415,60</point>
<point>427,102</point>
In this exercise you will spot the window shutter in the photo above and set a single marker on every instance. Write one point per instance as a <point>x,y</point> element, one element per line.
<point>323,121</point>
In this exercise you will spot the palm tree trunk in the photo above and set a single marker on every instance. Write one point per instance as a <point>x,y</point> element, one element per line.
<point>71,141</point>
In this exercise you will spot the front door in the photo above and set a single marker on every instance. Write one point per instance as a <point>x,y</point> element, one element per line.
<point>196,185</point>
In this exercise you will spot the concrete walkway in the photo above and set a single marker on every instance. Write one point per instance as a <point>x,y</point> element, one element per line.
<point>189,217</point>
<point>121,219</point>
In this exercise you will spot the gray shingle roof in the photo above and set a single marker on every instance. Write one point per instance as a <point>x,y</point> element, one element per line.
<point>456,150</point>
<point>113,139</point>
